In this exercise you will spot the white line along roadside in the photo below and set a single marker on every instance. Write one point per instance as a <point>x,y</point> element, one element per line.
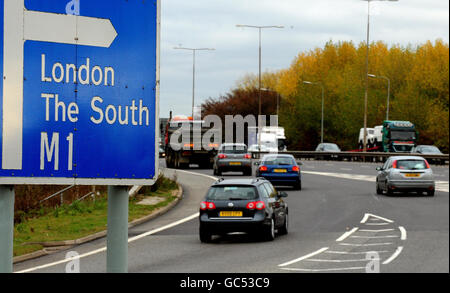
<point>442,186</point>
<point>132,239</point>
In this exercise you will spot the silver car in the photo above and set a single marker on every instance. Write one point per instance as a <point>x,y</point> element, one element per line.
<point>403,174</point>
<point>233,157</point>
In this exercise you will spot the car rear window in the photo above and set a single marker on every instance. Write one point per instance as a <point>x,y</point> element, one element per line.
<point>232,193</point>
<point>411,164</point>
<point>234,149</point>
<point>279,161</point>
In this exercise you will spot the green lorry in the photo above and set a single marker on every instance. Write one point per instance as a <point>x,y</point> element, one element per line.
<point>399,136</point>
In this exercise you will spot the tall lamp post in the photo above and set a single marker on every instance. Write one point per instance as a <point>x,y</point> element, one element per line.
<point>323,100</point>
<point>278,98</point>
<point>194,50</point>
<point>389,92</point>
<point>367,71</point>
<point>260,28</point>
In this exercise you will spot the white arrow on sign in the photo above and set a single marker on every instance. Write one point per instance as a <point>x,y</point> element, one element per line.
<point>21,25</point>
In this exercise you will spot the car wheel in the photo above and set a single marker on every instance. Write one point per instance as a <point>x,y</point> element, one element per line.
<point>269,231</point>
<point>219,172</point>
<point>284,230</point>
<point>248,172</point>
<point>430,192</point>
<point>379,191</point>
<point>205,235</point>
<point>298,186</point>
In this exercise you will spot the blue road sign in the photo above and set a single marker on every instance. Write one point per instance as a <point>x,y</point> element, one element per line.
<point>80,91</point>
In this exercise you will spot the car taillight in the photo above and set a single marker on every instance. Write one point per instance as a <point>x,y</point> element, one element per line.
<point>247,156</point>
<point>263,169</point>
<point>296,169</point>
<point>251,205</point>
<point>428,165</point>
<point>394,165</point>
<point>258,205</point>
<point>205,205</point>
<point>222,156</point>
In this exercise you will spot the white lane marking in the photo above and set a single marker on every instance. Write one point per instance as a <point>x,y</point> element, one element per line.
<point>365,244</point>
<point>143,235</point>
<point>346,235</point>
<point>394,256</point>
<point>377,224</point>
<point>403,231</point>
<point>340,260</point>
<point>346,169</point>
<point>303,257</point>
<point>194,173</point>
<point>187,219</point>
<point>375,237</point>
<point>324,270</point>
<point>356,253</point>
<point>376,231</point>
<point>442,186</point>
<point>367,217</point>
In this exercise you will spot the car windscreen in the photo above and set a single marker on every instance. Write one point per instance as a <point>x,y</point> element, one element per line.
<point>233,149</point>
<point>331,147</point>
<point>402,148</point>
<point>411,165</point>
<point>403,135</point>
<point>430,150</point>
<point>271,161</point>
<point>232,193</point>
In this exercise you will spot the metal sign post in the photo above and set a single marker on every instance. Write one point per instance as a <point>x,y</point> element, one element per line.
<point>79,101</point>
<point>6,228</point>
<point>117,238</point>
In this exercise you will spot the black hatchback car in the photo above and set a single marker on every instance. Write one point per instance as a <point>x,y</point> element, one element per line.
<point>243,205</point>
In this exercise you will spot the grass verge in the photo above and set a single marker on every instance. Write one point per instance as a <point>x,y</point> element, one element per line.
<point>81,219</point>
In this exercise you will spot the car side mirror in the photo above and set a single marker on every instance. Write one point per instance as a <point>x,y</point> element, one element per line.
<point>300,163</point>
<point>379,168</point>
<point>282,194</point>
<point>256,163</point>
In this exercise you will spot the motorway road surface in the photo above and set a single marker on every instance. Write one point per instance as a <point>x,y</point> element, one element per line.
<point>334,222</point>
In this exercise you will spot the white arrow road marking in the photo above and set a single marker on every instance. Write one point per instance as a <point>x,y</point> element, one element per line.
<point>303,257</point>
<point>21,25</point>
<point>340,256</point>
<point>367,217</point>
<point>346,235</point>
<point>394,256</point>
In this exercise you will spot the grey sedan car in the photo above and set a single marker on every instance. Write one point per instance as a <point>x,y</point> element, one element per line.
<point>233,157</point>
<point>403,174</point>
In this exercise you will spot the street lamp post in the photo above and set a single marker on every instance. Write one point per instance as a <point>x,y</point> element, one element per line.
<point>194,50</point>
<point>260,28</point>
<point>323,100</point>
<point>389,92</point>
<point>367,72</point>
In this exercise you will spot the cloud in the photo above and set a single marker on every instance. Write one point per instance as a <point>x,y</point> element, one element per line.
<point>308,24</point>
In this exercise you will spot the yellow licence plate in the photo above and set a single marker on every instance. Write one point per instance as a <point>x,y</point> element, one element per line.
<point>231,214</point>
<point>412,175</point>
<point>235,164</point>
<point>280,171</point>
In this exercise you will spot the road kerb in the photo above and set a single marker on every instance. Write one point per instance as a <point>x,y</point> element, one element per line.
<point>98,235</point>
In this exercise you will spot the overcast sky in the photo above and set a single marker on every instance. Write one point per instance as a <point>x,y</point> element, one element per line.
<point>308,24</point>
